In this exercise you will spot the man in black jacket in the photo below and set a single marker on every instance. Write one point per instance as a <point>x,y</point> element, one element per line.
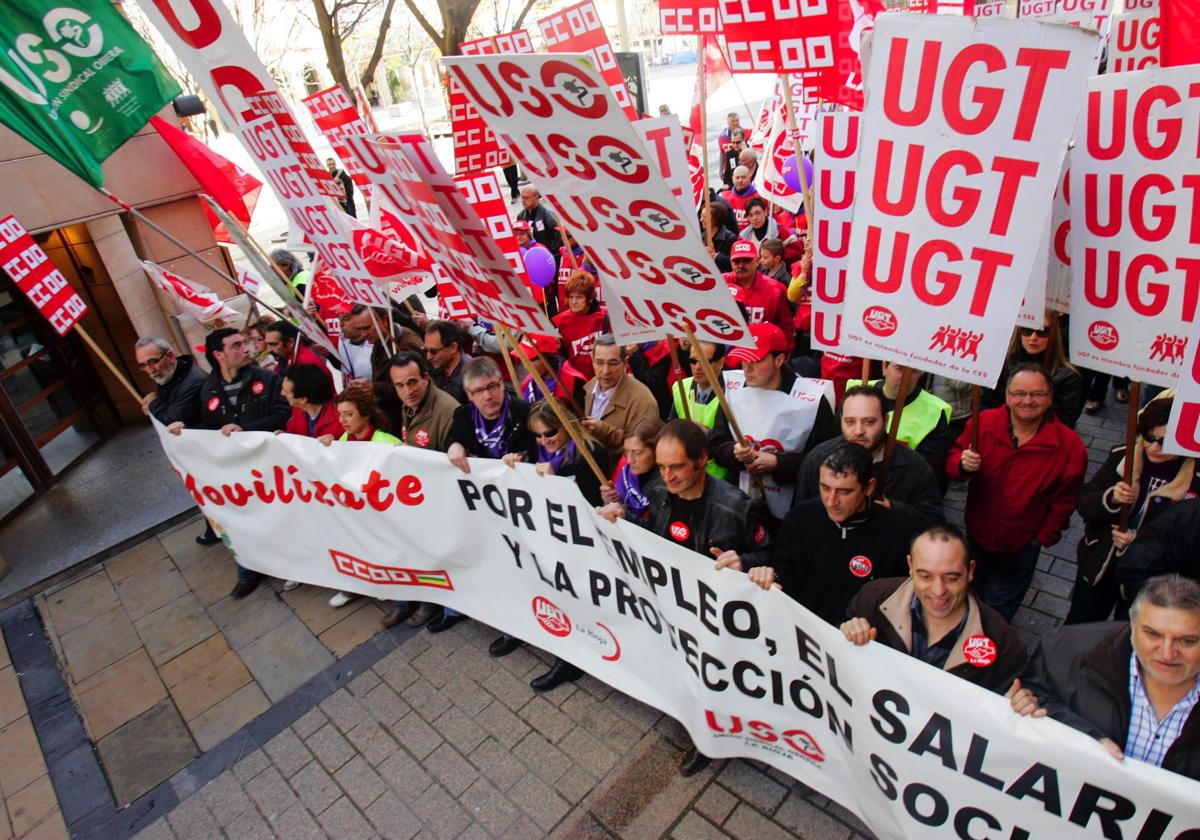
<point>238,396</point>
<point>1167,545</point>
<point>827,549</point>
<point>933,616</point>
<point>911,487</point>
<point>1133,685</point>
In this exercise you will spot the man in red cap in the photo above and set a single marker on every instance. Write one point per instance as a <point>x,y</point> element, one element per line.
<point>781,415</point>
<point>764,299</point>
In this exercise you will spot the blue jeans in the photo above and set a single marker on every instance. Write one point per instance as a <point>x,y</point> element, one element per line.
<point>1004,592</point>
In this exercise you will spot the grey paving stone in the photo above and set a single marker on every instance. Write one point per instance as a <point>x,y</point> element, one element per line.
<point>512,692</point>
<point>587,751</point>
<point>149,749</point>
<point>271,793</point>
<point>632,711</point>
<point>191,820</point>
<point>393,819</point>
<point>801,816</point>
<point>405,775</point>
<point>539,801</point>
<point>542,757</point>
<point>343,709</point>
<point>285,657</point>
<point>497,764</point>
<point>489,807</point>
<point>396,668</point>
<point>575,784</point>
<point>250,825</point>
<point>315,787</point>
<point>417,736</point>
<point>157,830</point>
<point>360,781</point>
<point>434,666</point>
<point>442,815</point>
<point>522,829</point>
<point>226,798</point>
<point>287,752</point>
<point>695,827</point>
<point>363,683</point>
<point>330,747</point>
<point>460,730</point>
<point>746,822</point>
<point>465,693</point>
<point>426,699</point>
<point>385,705</point>
<point>310,722</point>
<point>716,803</point>
<point>750,785</point>
<point>546,719</point>
<point>371,741</point>
<point>246,619</point>
<point>296,822</point>
<point>502,724</point>
<point>342,820</point>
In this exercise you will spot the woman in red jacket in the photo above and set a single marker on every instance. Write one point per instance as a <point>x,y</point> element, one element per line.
<point>580,323</point>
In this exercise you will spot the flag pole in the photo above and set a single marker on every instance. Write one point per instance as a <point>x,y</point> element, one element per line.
<point>792,132</point>
<point>893,429</point>
<point>702,81</point>
<point>673,346</point>
<point>1131,423</point>
<point>715,382</point>
<point>108,362</point>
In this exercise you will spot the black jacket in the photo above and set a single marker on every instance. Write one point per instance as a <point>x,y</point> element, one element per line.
<point>911,487</point>
<point>721,441</point>
<point>261,406</point>
<point>516,431</point>
<point>178,398</point>
<point>1080,674</point>
<point>823,564</point>
<point>1167,545</point>
<point>585,479</point>
<point>887,605</point>
<point>725,518</point>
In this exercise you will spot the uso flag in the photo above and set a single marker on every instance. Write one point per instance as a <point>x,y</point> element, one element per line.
<point>76,80</point>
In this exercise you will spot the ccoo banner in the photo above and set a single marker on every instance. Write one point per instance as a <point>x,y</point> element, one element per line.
<point>964,132</point>
<point>913,751</point>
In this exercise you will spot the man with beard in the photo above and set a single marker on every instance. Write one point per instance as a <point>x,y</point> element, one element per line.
<point>911,483</point>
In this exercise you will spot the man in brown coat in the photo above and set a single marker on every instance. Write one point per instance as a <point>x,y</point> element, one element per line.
<point>615,402</point>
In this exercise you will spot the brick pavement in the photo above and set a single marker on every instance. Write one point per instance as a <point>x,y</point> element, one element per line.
<point>289,719</point>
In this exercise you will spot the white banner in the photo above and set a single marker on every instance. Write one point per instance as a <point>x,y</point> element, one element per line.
<point>911,750</point>
<point>1136,37</point>
<point>558,117</point>
<point>1058,255</point>
<point>964,131</point>
<point>1183,428</point>
<point>834,181</point>
<point>1134,228</point>
<point>666,146</point>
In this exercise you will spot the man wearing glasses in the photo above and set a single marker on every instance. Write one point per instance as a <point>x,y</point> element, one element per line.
<point>444,341</point>
<point>1022,485</point>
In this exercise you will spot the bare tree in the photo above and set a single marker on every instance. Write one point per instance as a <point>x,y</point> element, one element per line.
<point>338,21</point>
<point>456,20</point>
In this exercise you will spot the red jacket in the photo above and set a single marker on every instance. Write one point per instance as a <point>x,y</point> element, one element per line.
<point>327,422</point>
<point>738,202</point>
<point>579,334</point>
<point>766,302</point>
<point>1019,495</point>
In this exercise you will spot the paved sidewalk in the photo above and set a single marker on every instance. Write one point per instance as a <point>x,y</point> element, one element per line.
<point>159,706</point>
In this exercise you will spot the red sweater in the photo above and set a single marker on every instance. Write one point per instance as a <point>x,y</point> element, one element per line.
<point>766,302</point>
<point>1019,495</point>
<point>579,336</point>
<point>327,422</point>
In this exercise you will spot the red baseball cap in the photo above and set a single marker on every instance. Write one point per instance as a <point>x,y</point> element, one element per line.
<point>533,343</point>
<point>516,226</point>
<point>742,249</point>
<point>768,338</point>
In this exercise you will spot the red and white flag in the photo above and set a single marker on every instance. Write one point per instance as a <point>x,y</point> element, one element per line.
<point>27,265</point>
<point>578,29</point>
<point>201,303</point>
<point>1180,20</point>
<point>716,72</point>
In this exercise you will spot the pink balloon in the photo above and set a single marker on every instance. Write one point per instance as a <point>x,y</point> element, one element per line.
<point>791,175</point>
<point>539,265</point>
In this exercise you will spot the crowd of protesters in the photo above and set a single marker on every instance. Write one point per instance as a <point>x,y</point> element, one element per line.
<point>835,504</point>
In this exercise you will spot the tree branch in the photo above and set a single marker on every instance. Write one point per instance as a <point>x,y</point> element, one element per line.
<point>524,11</point>
<point>420,18</point>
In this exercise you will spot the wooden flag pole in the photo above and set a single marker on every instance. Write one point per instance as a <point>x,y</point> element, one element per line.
<point>683,400</point>
<point>556,407</point>
<point>715,382</point>
<point>108,362</point>
<point>570,398</point>
<point>866,371</point>
<point>893,429</point>
<point>975,419</point>
<point>1135,397</point>
<point>505,353</point>
<point>702,81</point>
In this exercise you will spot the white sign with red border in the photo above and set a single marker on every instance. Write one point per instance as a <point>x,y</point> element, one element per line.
<point>835,180</point>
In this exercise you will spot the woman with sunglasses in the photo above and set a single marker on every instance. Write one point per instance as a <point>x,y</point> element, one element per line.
<point>1045,347</point>
<point>636,473</point>
<point>1159,480</point>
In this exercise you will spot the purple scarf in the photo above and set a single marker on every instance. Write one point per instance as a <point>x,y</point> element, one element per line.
<point>533,393</point>
<point>630,488</point>
<point>557,459</point>
<point>493,441</point>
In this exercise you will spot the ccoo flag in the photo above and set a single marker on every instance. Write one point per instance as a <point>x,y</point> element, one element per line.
<point>76,80</point>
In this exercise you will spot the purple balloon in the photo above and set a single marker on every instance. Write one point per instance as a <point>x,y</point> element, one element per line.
<point>791,175</point>
<point>539,265</point>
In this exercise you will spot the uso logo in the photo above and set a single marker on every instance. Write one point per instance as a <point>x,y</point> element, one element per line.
<point>880,320</point>
<point>679,531</point>
<point>1103,335</point>
<point>214,403</point>
<point>553,620</point>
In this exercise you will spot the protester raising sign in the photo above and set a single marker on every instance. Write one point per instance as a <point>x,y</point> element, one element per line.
<point>914,751</point>
<point>966,126</point>
<point>560,120</point>
<point>1134,227</point>
<point>578,29</point>
<point>27,265</point>
<point>834,184</point>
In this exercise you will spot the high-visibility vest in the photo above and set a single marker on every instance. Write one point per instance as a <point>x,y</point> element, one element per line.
<point>920,416</point>
<point>703,413</point>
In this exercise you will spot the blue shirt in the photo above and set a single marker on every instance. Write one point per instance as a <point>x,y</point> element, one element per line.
<point>1149,738</point>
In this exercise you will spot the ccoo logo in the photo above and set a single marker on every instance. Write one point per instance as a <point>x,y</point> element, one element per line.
<point>880,320</point>
<point>1103,335</point>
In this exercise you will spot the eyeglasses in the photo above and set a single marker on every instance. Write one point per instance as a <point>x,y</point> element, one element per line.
<point>1151,440</point>
<point>546,435</point>
<point>432,351</point>
<point>1037,395</point>
<point>486,389</point>
<point>149,363</point>
<point>1028,331</point>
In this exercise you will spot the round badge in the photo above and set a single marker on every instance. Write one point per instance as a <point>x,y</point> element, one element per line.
<point>860,565</point>
<point>979,650</point>
<point>760,535</point>
<point>679,531</point>
<point>214,403</point>
<point>421,438</point>
<point>553,620</point>
<point>257,388</point>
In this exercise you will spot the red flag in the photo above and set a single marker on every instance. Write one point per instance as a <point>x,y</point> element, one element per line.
<point>842,84</point>
<point>233,188</point>
<point>716,71</point>
<point>1180,21</point>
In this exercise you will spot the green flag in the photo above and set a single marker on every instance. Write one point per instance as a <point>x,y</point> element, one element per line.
<point>76,80</point>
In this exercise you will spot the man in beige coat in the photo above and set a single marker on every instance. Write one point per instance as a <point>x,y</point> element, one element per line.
<point>615,402</point>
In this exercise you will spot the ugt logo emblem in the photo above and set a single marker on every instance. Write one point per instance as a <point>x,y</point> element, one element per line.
<point>958,342</point>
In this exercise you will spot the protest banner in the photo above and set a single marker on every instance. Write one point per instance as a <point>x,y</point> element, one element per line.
<point>1134,227</point>
<point>834,182</point>
<point>589,164</point>
<point>1183,428</point>
<point>405,169</point>
<point>966,126</point>
<point>666,146</point>
<point>77,80</point>
<point>334,113</point>
<point>908,748</point>
<point>388,259</point>
<point>995,9</point>
<point>1180,26</point>
<point>578,29</point>
<point>1058,257</point>
<point>780,146</point>
<point>1135,37</point>
<point>688,17</point>
<point>202,304</point>
<point>475,146</point>
<point>270,104</point>
<point>28,266</point>
<point>483,192</point>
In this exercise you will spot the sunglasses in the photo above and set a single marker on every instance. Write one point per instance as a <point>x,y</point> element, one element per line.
<point>1151,440</point>
<point>546,435</point>
<point>1028,331</point>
